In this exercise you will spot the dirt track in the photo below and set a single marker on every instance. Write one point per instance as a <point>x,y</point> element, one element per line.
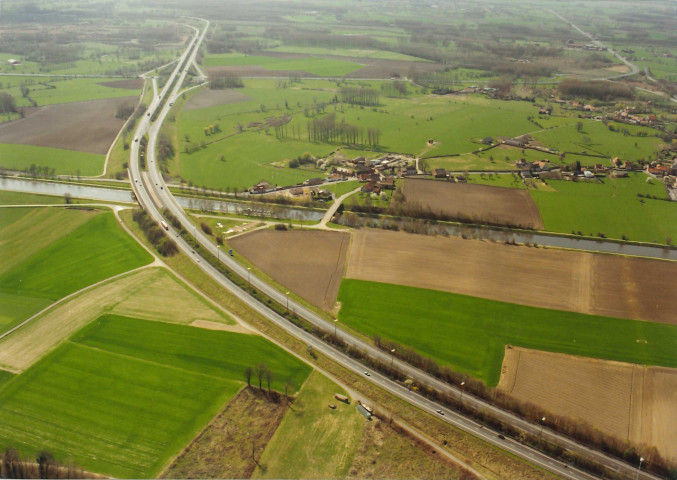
<point>502,206</point>
<point>564,280</point>
<point>629,401</point>
<point>83,126</point>
<point>311,264</point>
<point>209,98</point>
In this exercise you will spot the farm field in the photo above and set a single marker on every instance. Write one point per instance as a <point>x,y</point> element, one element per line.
<point>54,161</point>
<point>49,91</point>
<point>612,207</point>
<point>581,282</point>
<point>478,203</point>
<point>346,52</point>
<point>469,333</point>
<point>75,257</point>
<point>154,368</point>
<point>313,65</point>
<point>628,401</point>
<point>81,126</point>
<point>309,263</point>
<point>312,440</point>
<point>133,294</point>
<point>207,97</point>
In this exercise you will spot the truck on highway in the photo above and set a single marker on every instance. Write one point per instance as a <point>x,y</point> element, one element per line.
<point>164,225</point>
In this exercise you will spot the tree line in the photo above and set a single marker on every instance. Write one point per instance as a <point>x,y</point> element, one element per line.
<point>359,96</point>
<point>155,234</point>
<point>327,129</point>
<point>595,89</point>
<point>43,466</point>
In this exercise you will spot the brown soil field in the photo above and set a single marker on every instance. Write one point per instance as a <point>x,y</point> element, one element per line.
<point>83,126</point>
<point>209,98</point>
<point>131,83</point>
<point>498,205</point>
<point>309,263</point>
<point>253,71</point>
<point>629,401</point>
<point>224,448</point>
<point>549,278</point>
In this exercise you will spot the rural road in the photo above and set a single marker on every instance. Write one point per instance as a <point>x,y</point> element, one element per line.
<point>152,188</point>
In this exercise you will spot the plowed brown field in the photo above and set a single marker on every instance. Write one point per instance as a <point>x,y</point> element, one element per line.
<point>483,203</point>
<point>558,279</point>
<point>629,401</point>
<point>83,126</point>
<point>311,264</point>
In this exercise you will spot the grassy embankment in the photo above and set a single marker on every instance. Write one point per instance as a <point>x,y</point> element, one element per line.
<point>469,334</point>
<point>141,391</point>
<point>68,250</point>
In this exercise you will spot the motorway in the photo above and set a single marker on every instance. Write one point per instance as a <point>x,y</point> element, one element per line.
<point>153,195</point>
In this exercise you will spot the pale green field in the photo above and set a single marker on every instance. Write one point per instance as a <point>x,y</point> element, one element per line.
<point>64,162</point>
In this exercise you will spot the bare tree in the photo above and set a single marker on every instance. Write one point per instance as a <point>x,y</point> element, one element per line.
<point>269,376</point>
<point>248,372</point>
<point>259,372</point>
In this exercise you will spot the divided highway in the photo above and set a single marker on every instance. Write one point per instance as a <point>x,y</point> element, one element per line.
<point>153,195</point>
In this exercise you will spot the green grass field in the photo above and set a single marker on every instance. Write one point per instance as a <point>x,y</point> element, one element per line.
<point>469,334</point>
<point>64,162</point>
<point>83,250</point>
<point>316,66</point>
<point>63,90</point>
<point>125,395</point>
<point>611,207</point>
<point>313,441</point>
<point>347,52</point>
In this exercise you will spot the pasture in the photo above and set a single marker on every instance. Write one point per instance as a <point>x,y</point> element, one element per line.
<point>125,395</point>
<point>57,161</point>
<point>476,203</point>
<point>469,333</point>
<point>611,206</point>
<point>76,255</point>
<point>49,91</point>
<point>83,126</point>
<point>628,401</point>
<point>309,263</point>
<point>312,440</point>
<point>346,52</point>
<point>608,285</point>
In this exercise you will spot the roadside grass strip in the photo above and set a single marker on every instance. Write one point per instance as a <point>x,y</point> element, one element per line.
<point>125,395</point>
<point>469,334</point>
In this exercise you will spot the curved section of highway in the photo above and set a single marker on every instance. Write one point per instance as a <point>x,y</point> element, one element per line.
<point>153,195</point>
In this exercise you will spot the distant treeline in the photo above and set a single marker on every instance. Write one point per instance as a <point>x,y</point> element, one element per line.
<point>221,81</point>
<point>594,89</point>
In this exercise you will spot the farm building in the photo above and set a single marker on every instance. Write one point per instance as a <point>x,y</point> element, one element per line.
<point>13,61</point>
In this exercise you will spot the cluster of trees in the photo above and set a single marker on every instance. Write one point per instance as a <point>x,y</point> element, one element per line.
<point>7,103</point>
<point>44,466</point>
<point>261,372</point>
<point>327,129</point>
<point>212,129</point>
<point>304,159</point>
<point>394,89</point>
<point>165,151</point>
<point>596,89</point>
<point>124,110</point>
<point>155,234</point>
<point>359,96</point>
<point>221,81</point>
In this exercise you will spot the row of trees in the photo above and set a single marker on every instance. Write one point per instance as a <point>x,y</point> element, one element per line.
<point>44,466</point>
<point>595,89</point>
<point>327,129</point>
<point>155,234</point>
<point>359,96</point>
<point>221,81</point>
<point>261,372</point>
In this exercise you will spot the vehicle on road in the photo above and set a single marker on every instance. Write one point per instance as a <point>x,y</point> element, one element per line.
<point>440,412</point>
<point>164,225</point>
<point>367,374</point>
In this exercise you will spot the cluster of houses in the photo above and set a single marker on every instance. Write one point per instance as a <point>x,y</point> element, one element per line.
<point>627,115</point>
<point>579,46</point>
